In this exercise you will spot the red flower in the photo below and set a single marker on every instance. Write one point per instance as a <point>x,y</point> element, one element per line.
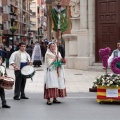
<point>63,60</point>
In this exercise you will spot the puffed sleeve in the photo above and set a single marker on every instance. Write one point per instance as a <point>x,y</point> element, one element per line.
<point>12,58</point>
<point>29,59</point>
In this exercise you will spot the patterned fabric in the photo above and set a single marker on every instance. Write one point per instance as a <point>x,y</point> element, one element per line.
<point>60,20</point>
<point>54,93</point>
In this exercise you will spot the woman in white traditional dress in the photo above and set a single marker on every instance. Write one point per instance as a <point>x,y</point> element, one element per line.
<point>36,55</point>
<point>54,76</point>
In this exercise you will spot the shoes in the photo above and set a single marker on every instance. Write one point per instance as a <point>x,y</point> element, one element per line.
<point>24,97</point>
<point>6,106</point>
<point>56,101</point>
<point>16,98</point>
<point>49,103</point>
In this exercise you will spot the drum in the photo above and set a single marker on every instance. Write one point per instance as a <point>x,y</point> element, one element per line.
<point>28,71</point>
<point>2,70</point>
<point>7,83</point>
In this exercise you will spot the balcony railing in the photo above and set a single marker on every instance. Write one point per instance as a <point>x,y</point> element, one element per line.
<point>6,17</point>
<point>6,2</point>
<point>16,3</point>
<point>30,11</point>
<point>24,7</point>
<point>1,10</point>
<point>12,2</point>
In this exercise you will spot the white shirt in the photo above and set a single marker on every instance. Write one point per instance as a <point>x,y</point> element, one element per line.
<point>24,57</point>
<point>2,70</point>
<point>112,57</point>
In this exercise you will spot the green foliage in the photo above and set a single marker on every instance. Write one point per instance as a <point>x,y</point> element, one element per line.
<point>13,27</point>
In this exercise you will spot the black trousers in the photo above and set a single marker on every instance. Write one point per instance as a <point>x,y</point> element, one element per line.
<point>2,95</point>
<point>20,83</point>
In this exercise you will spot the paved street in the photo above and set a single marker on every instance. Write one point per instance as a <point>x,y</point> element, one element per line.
<point>78,105</point>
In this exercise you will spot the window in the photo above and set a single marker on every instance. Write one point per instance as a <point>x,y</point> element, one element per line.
<point>32,5</point>
<point>6,9</point>
<point>6,25</point>
<point>33,14</point>
<point>38,10</point>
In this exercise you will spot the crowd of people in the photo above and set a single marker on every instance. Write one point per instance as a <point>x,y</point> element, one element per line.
<point>34,54</point>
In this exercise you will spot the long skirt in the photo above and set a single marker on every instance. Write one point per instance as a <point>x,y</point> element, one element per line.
<point>54,93</point>
<point>37,63</point>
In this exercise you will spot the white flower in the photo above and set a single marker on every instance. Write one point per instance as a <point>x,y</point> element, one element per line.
<point>102,79</point>
<point>111,82</point>
<point>95,80</point>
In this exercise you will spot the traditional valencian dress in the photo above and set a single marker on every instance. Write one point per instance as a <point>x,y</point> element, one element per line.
<point>54,78</point>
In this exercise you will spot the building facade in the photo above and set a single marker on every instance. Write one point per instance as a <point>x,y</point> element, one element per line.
<point>1,25</point>
<point>96,26</point>
<point>37,19</point>
<point>16,20</point>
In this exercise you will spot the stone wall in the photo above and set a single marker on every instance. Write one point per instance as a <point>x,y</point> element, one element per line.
<point>80,44</point>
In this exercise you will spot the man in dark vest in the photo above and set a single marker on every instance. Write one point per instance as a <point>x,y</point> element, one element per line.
<point>115,53</point>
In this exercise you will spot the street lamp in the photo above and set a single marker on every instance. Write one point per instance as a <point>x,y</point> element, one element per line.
<point>12,29</point>
<point>40,32</point>
<point>29,35</point>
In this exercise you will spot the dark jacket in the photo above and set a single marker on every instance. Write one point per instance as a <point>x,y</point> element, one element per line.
<point>61,50</point>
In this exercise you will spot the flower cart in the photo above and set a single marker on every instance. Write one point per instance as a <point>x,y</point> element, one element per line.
<point>108,88</point>
<point>108,85</point>
<point>108,94</point>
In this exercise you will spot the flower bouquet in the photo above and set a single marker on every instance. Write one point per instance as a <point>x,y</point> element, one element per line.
<point>63,60</point>
<point>59,63</point>
<point>108,85</point>
<point>109,80</point>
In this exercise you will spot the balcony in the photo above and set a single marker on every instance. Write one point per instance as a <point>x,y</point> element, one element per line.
<point>12,2</point>
<point>24,7</point>
<point>6,17</point>
<point>17,19</point>
<point>16,3</point>
<point>8,32</point>
<point>1,26</point>
<point>30,11</point>
<point>5,2</point>
<point>17,32</point>
<point>24,32</point>
<point>38,16</point>
<point>31,0</point>
<point>1,10</point>
<point>23,22</point>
